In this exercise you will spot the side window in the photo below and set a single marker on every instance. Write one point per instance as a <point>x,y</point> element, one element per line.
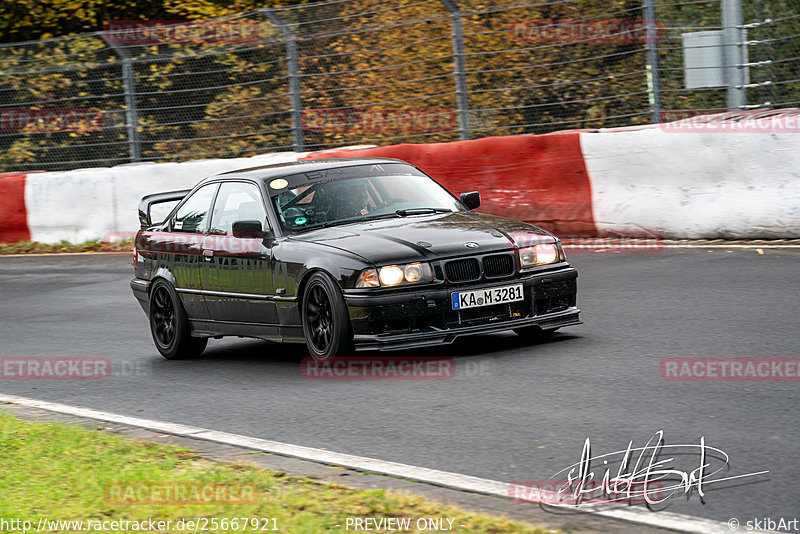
<point>237,201</point>
<point>192,216</point>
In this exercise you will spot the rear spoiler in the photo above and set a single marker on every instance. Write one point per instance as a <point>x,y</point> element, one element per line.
<point>157,198</point>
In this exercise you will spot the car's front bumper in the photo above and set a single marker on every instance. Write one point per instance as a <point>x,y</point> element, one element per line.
<point>409,319</point>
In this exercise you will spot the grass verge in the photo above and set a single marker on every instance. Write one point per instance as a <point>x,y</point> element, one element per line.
<point>33,247</point>
<point>70,473</point>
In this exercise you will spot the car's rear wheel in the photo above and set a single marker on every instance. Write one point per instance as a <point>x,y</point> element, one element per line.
<point>326,322</point>
<point>170,326</point>
<point>534,333</point>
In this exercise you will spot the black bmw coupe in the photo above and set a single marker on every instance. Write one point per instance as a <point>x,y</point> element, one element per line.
<point>342,255</point>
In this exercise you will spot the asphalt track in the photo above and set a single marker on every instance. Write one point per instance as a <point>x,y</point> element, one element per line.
<point>513,412</point>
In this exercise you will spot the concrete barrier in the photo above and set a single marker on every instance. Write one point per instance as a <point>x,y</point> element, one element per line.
<point>14,225</point>
<point>707,183</point>
<point>695,185</point>
<point>89,204</point>
<point>722,176</point>
<point>534,178</point>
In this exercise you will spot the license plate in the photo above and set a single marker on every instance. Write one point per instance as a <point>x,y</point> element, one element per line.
<point>486,297</point>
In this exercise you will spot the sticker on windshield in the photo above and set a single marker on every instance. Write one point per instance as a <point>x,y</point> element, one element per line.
<point>278,183</point>
<point>300,220</point>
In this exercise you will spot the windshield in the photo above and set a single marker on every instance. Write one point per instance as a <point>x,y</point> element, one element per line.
<point>357,199</point>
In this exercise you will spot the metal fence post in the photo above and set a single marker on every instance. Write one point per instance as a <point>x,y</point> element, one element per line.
<point>653,74</point>
<point>294,78</point>
<point>462,94</point>
<point>131,112</point>
<point>733,53</point>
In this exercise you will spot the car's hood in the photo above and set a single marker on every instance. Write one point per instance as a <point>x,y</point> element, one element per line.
<point>417,238</point>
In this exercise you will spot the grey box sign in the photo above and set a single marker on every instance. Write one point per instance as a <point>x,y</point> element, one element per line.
<point>704,59</point>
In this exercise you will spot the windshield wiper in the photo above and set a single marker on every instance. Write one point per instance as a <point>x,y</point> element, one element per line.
<point>420,211</point>
<point>327,224</point>
<point>380,216</point>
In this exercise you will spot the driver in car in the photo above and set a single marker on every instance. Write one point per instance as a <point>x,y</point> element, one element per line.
<point>352,198</point>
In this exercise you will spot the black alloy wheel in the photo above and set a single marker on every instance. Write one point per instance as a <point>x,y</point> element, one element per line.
<point>326,322</point>
<point>170,326</point>
<point>163,316</point>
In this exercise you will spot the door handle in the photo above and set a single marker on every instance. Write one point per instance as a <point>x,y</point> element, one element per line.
<point>208,254</point>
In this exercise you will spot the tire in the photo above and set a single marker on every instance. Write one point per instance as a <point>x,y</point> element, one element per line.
<point>534,333</point>
<point>326,321</point>
<point>169,325</point>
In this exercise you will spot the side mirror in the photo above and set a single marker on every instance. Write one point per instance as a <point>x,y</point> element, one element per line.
<point>250,229</point>
<point>471,200</point>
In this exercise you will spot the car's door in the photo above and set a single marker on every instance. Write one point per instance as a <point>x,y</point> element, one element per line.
<point>188,227</point>
<point>239,285</point>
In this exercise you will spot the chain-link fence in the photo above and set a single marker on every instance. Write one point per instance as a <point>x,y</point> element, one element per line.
<point>344,72</point>
<point>764,47</point>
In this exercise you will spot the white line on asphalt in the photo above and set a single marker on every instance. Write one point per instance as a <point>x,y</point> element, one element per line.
<point>668,520</point>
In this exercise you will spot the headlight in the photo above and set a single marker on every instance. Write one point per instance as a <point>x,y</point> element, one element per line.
<point>390,276</point>
<point>539,255</point>
<point>415,272</point>
<point>394,275</point>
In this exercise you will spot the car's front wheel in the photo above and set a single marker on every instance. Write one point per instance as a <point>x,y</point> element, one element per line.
<point>170,326</point>
<point>326,322</point>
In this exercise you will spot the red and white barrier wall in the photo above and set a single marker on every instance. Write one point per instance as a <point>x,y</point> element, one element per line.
<point>89,204</point>
<point>632,181</point>
<point>695,185</point>
<point>534,178</point>
<point>14,225</point>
